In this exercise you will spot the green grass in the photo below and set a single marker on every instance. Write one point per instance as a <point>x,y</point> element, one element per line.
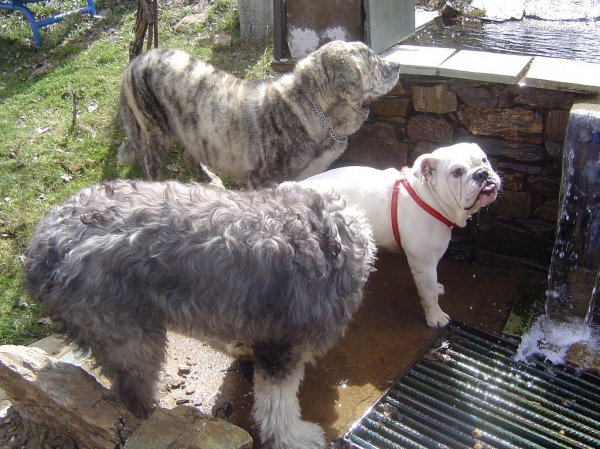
<point>59,128</point>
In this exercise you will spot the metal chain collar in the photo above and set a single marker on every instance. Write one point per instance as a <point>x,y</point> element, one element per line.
<point>323,120</point>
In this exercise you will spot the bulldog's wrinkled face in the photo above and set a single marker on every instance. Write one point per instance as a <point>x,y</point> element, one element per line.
<point>462,176</point>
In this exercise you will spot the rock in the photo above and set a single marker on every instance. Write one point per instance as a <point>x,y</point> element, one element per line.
<point>397,90</point>
<point>545,98</point>
<point>434,99</point>
<point>375,145</point>
<point>554,149</point>
<point>479,97</point>
<point>513,180</point>
<point>222,40</point>
<point>512,204</point>
<point>524,168</point>
<point>500,10</point>
<point>548,211</point>
<point>584,356</point>
<point>430,128</point>
<point>186,427</point>
<point>556,125</point>
<point>518,124</point>
<point>64,397</point>
<point>546,185</point>
<point>189,23</point>
<point>184,370</point>
<point>509,238</point>
<point>392,107</point>
<point>510,150</point>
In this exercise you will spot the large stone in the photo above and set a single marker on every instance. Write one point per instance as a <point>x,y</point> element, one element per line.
<point>554,149</point>
<point>510,150</point>
<point>479,97</point>
<point>547,185</point>
<point>547,211</point>
<point>556,125</point>
<point>519,125</point>
<point>510,238</point>
<point>421,148</point>
<point>512,204</point>
<point>186,427</point>
<point>399,106</point>
<point>397,90</point>
<point>429,128</point>
<point>190,23</point>
<point>375,145</point>
<point>434,99</point>
<point>545,98</point>
<point>525,168</point>
<point>64,397</point>
<point>513,180</point>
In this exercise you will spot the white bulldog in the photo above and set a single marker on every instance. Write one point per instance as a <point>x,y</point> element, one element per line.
<point>417,207</point>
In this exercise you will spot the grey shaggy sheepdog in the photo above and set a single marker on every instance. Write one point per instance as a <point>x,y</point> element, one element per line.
<point>281,269</point>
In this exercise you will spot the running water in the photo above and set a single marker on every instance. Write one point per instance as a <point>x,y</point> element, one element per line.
<point>574,271</point>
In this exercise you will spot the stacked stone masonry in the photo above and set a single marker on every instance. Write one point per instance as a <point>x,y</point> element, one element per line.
<point>522,130</point>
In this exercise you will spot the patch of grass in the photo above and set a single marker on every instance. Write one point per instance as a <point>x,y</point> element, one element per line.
<point>59,128</point>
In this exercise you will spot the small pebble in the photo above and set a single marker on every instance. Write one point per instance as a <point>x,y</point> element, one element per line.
<point>182,401</point>
<point>176,384</point>
<point>190,391</point>
<point>184,370</point>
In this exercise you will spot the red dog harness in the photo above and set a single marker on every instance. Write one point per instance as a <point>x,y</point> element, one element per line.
<point>426,207</point>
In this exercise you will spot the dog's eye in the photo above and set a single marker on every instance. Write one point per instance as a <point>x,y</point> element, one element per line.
<point>484,160</point>
<point>457,173</point>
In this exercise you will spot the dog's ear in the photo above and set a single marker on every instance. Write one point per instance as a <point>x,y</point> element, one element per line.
<point>347,84</point>
<point>424,166</point>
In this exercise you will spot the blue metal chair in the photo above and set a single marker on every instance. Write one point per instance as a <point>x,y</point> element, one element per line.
<point>20,5</point>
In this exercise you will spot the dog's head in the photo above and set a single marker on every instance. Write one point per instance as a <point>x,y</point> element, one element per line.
<point>461,176</point>
<point>350,71</point>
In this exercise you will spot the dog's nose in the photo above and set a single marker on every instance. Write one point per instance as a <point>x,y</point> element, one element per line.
<point>481,175</point>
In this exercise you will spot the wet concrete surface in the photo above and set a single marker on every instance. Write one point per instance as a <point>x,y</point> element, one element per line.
<point>386,335</point>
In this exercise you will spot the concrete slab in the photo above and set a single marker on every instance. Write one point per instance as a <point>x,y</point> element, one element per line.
<point>563,74</point>
<point>485,66</point>
<point>423,17</point>
<point>418,60</point>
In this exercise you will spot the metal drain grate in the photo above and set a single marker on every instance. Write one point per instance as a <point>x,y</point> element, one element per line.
<point>466,391</point>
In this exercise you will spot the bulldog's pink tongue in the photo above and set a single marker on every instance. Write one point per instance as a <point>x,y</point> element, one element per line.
<point>488,194</point>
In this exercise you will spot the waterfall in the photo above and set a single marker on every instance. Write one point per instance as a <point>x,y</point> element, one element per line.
<point>574,271</point>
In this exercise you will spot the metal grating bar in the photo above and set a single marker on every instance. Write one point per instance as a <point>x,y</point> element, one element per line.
<point>467,391</point>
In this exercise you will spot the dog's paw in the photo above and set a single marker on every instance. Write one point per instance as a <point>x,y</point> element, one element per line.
<point>437,318</point>
<point>441,289</point>
<point>300,435</point>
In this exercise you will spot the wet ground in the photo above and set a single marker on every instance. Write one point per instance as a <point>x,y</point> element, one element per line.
<point>387,334</point>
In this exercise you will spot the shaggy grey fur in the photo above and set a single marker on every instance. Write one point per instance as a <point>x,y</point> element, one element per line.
<point>255,132</point>
<point>281,269</point>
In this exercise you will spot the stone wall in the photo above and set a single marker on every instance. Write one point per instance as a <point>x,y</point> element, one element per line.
<point>522,131</point>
